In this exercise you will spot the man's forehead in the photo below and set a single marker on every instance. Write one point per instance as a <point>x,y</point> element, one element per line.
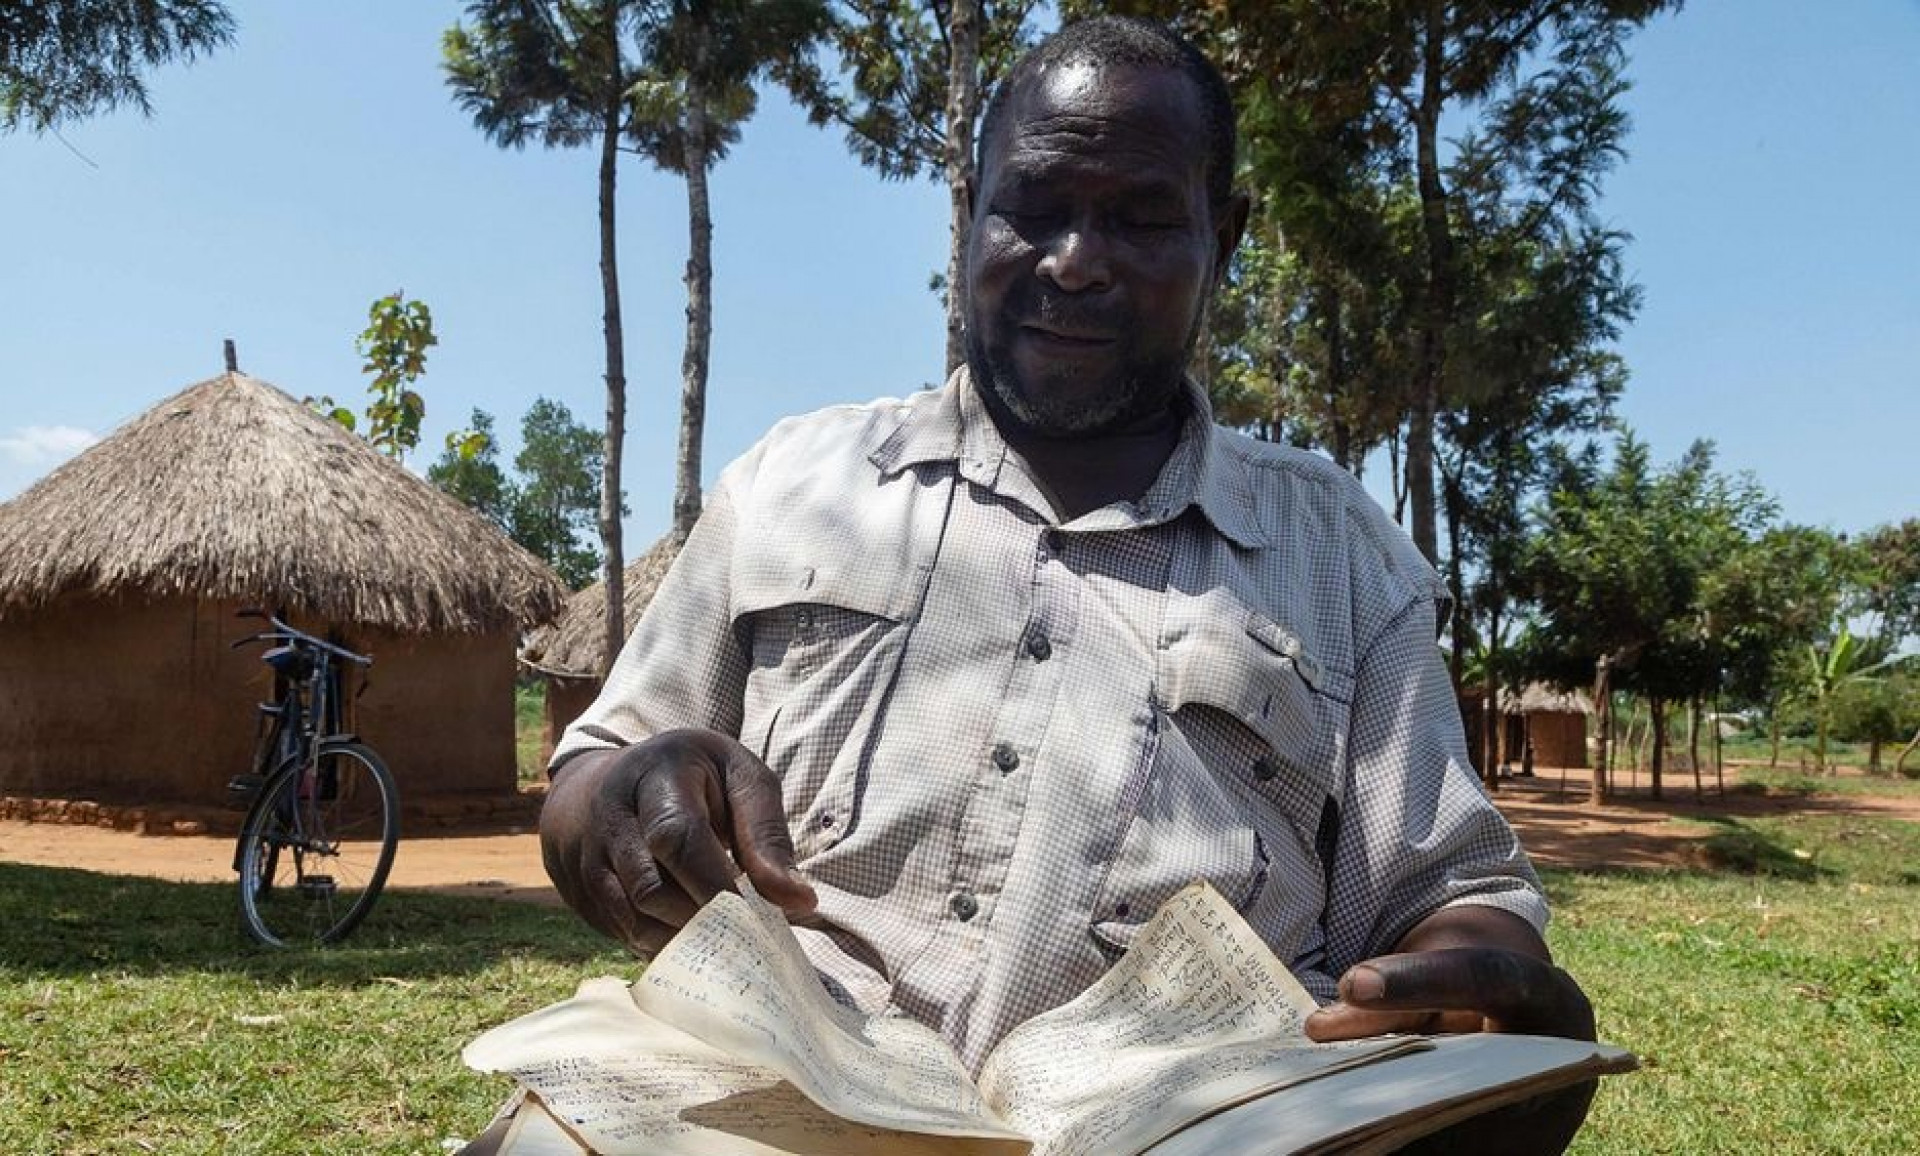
<point>1094,105</point>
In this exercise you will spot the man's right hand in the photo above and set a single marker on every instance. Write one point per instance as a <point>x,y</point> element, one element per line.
<point>637,838</point>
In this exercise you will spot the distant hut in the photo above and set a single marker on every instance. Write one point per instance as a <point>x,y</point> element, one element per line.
<point>1553,721</point>
<point>120,573</point>
<point>568,653</point>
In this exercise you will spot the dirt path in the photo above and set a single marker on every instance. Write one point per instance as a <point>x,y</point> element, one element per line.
<point>505,866</point>
<point>1557,825</point>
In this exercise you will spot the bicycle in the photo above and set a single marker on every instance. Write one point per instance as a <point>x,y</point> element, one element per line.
<point>323,813</point>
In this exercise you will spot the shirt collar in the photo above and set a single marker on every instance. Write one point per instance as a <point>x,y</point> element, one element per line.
<point>952,425</point>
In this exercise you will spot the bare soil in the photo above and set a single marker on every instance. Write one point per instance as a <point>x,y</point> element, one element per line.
<point>1550,810</point>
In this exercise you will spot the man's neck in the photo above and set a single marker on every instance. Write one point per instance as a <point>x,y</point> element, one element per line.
<point>1081,474</point>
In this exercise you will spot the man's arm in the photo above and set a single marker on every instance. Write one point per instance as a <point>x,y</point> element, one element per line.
<point>1454,909</point>
<point>655,806</point>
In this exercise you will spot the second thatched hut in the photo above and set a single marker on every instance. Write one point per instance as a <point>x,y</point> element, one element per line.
<point>570,654</point>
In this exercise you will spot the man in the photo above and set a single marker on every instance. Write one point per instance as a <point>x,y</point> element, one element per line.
<point>968,683</point>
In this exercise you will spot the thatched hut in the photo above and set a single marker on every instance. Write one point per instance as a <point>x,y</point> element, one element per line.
<point>1552,722</point>
<point>568,653</point>
<point>120,573</point>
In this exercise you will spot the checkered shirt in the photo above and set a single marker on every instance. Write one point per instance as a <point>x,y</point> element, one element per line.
<point>1004,740</point>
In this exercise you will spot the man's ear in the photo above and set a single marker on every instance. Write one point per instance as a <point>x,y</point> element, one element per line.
<point>1229,225</point>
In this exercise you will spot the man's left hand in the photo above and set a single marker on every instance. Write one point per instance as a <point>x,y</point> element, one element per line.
<point>1472,969</point>
<point>1455,989</point>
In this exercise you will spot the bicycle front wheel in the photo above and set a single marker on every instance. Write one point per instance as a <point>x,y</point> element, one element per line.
<point>317,846</point>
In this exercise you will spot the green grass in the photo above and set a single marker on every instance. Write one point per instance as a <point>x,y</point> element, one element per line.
<point>1790,780</point>
<point>1775,1003</point>
<point>134,1017</point>
<point>529,723</point>
<point>1773,1015</point>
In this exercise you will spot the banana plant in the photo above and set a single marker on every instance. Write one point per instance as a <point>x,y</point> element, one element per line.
<point>1833,667</point>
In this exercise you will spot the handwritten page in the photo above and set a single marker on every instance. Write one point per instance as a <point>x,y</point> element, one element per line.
<point>626,1083</point>
<point>1198,1014</point>
<point>736,979</point>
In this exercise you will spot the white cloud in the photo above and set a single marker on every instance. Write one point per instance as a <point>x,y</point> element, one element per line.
<point>44,445</point>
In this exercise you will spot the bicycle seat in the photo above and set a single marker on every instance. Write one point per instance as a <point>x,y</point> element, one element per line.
<point>292,661</point>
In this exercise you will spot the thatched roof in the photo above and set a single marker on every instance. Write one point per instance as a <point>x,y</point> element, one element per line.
<point>571,647</point>
<point>232,489</point>
<point>1539,698</point>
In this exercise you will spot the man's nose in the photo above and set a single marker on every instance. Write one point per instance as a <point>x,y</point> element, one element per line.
<point>1077,260</point>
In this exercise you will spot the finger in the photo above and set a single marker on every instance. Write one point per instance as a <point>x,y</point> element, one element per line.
<point>687,853</point>
<point>1342,1021</point>
<point>761,838</point>
<point>642,888</point>
<point>1516,992</point>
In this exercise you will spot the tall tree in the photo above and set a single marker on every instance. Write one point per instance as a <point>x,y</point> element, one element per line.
<point>918,74</point>
<point>559,74</point>
<point>702,60</point>
<point>555,499</point>
<point>64,60</point>
<point>549,505</point>
<point>1347,105</point>
<point>1618,573</point>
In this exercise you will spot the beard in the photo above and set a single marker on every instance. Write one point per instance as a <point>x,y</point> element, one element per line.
<point>1071,401</point>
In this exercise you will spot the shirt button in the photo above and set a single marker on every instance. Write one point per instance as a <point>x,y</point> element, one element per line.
<point>803,618</point>
<point>1038,646</point>
<point>964,906</point>
<point>1265,769</point>
<point>826,821</point>
<point>1005,757</point>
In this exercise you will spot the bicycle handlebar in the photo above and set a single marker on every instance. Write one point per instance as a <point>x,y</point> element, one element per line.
<point>282,632</point>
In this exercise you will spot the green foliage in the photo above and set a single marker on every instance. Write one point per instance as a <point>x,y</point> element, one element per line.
<point>65,60</point>
<point>394,350</point>
<point>1887,584</point>
<point>469,469</point>
<point>554,503</point>
<point>550,503</point>
<point>892,100</point>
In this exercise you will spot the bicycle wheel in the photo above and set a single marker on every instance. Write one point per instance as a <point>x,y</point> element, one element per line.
<point>316,847</point>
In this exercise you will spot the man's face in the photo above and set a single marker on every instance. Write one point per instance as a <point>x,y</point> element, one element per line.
<point>1093,248</point>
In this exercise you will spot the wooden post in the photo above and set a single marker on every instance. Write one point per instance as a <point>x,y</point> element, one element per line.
<point>233,359</point>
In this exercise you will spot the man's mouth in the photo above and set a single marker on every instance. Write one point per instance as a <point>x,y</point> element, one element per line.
<point>1067,337</point>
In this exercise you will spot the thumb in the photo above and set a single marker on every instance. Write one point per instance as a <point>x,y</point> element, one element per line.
<point>761,840</point>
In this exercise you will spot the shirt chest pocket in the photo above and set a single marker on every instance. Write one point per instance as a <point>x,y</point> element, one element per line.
<point>1244,772</point>
<point>824,640</point>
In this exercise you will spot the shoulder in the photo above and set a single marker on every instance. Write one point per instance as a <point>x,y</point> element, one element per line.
<point>1303,502</point>
<point>837,442</point>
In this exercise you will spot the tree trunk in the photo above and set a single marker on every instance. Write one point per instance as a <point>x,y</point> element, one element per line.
<point>1437,306</point>
<point>1657,723</point>
<point>963,108</point>
<point>1820,737</point>
<point>1456,581</point>
<point>1719,763</point>
<point>1693,748</point>
<point>1900,762</point>
<point>1873,755</point>
<point>1496,720</point>
<point>615,563</point>
<point>1602,727</point>
<point>1397,478</point>
<point>1332,334</point>
<point>693,363</point>
<point>1773,733</point>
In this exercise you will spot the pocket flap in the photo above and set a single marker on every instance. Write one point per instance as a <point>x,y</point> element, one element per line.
<point>766,578</point>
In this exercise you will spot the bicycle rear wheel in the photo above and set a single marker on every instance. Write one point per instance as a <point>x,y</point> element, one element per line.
<point>317,846</point>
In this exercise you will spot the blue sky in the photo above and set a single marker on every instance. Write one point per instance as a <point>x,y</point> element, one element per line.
<point>318,163</point>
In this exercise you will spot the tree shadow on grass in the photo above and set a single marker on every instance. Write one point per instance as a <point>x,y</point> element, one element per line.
<point>64,921</point>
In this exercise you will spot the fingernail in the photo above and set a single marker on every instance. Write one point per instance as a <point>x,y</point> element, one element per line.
<point>1365,984</point>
